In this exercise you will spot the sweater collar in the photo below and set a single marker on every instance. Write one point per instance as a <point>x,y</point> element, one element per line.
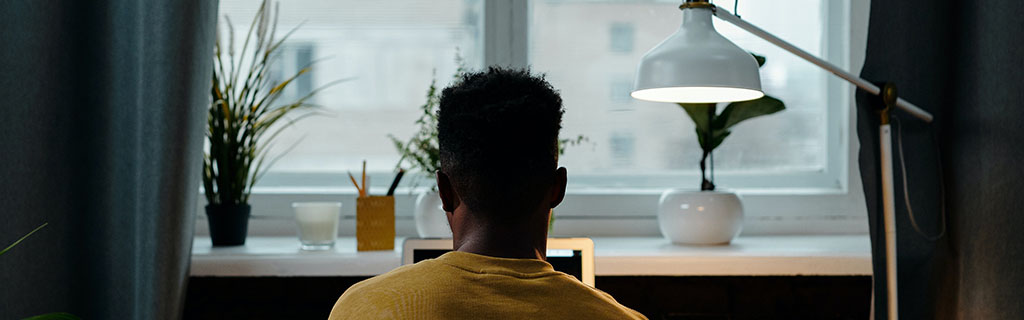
<point>486,264</point>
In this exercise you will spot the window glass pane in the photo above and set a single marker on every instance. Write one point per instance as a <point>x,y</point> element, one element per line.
<point>389,49</point>
<point>590,50</point>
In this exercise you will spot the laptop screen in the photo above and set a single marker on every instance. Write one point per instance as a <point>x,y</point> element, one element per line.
<point>564,260</point>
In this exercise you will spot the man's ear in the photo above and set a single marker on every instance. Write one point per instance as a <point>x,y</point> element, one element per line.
<point>558,188</point>
<point>449,198</point>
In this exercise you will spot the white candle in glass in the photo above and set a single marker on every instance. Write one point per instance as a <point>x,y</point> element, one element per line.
<point>317,223</point>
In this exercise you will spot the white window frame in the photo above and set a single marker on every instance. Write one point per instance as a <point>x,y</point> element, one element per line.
<point>836,208</point>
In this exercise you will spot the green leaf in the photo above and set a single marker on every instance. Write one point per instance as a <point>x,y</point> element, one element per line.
<point>760,59</point>
<point>421,152</point>
<point>742,110</point>
<point>563,144</point>
<point>22,238</point>
<point>717,137</point>
<point>54,316</point>
<point>698,112</point>
<point>245,116</point>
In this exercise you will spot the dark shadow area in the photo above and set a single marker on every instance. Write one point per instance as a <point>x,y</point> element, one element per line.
<point>813,297</point>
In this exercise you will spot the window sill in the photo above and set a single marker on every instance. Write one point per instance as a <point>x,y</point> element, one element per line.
<point>596,213</point>
<point>834,255</point>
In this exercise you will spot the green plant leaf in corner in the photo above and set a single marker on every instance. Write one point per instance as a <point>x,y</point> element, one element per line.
<point>742,110</point>
<point>54,316</point>
<point>22,238</point>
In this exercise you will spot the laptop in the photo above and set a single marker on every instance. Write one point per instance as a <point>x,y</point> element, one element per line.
<point>574,256</point>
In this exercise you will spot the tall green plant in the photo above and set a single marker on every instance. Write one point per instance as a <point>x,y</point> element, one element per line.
<point>244,110</point>
<point>712,128</point>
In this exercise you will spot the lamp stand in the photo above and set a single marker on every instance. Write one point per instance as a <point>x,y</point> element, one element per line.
<point>888,94</point>
<point>888,198</point>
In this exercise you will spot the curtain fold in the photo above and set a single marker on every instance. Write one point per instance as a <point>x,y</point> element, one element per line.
<point>908,44</point>
<point>102,128</point>
<point>961,62</point>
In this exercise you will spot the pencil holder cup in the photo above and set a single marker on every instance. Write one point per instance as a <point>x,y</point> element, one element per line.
<point>375,223</point>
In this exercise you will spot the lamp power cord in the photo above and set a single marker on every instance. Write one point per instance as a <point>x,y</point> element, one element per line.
<point>906,195</point>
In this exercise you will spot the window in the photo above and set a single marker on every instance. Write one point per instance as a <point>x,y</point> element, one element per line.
<point>789,149</point>
<point>618,93</point>
<point>292,57</point>
<point>388,50</point>
<point>791,168</point>
<point>622,148</point>
<point>621,37</point>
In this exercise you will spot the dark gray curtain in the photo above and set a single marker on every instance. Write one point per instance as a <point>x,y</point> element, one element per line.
<point>101,136</point>
<point>962,61</point>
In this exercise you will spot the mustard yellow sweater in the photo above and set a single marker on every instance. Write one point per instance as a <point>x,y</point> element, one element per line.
<point>461,285</point>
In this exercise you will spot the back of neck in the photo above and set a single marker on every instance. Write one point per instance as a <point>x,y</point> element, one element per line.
<point>522,241</point>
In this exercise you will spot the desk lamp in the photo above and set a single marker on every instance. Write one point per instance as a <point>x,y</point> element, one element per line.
<point>698,65</point>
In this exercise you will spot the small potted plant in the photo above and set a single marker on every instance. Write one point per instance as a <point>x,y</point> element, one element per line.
<point>242,120</point>
<point>421,154</point>
<point>710,216</point>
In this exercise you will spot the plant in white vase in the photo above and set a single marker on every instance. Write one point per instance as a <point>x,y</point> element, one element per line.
<point>710,216</point>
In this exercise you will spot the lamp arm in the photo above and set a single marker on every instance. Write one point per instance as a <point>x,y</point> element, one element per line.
<point>860,83</point>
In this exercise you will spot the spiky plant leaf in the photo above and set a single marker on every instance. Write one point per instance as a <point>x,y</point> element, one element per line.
<point>245,117</point>
<point>22,239</point>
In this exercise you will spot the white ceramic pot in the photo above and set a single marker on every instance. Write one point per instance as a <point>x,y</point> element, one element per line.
<point>700,217</point>
<point>431,221</point>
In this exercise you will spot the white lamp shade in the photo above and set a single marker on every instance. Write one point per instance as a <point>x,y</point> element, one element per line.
<point>697,65</point>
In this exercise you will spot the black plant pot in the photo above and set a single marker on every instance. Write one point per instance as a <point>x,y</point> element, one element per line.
<point>229,223</point>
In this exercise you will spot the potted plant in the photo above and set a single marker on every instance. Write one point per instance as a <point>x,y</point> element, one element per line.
<point>241,123</point>
<point>710,216</point>
<point>421,154</point>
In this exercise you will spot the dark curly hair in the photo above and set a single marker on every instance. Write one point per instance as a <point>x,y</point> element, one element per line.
<point>498,135</point>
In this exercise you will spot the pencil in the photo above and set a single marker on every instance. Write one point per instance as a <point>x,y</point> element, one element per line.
<point>354,183</point>
<point>365,190</point>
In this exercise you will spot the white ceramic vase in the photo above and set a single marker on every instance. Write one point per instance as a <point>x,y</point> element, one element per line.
<point>431,221</point>
<point>700,217</point>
